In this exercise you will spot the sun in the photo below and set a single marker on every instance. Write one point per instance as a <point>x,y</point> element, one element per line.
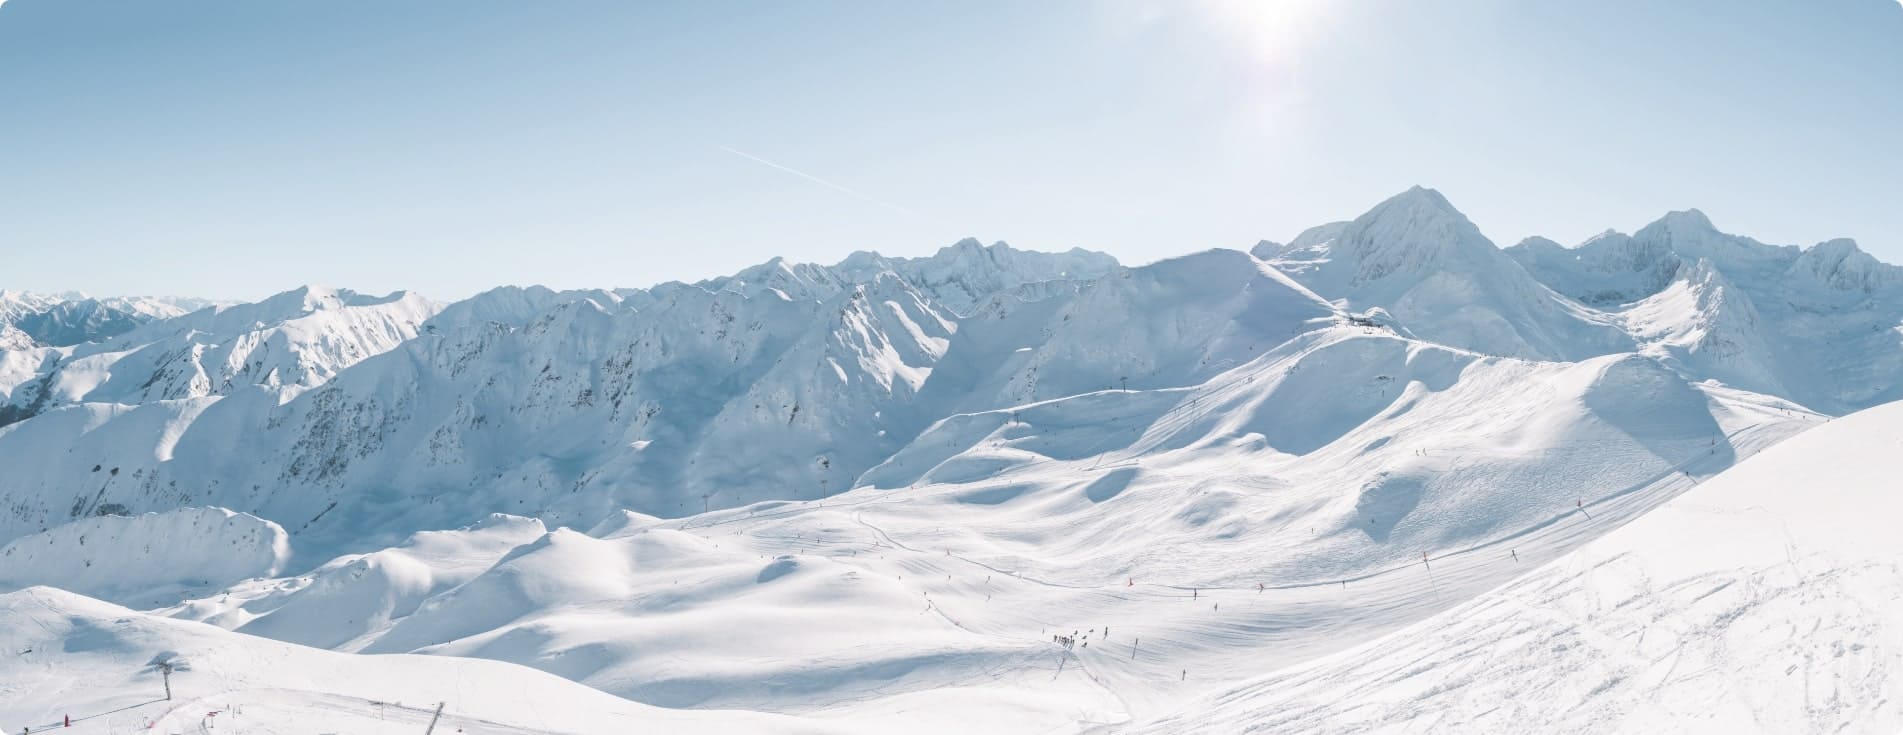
<point>1277,31</point>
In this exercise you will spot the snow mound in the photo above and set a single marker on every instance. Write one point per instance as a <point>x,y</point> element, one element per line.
<point>339,603</point>
<point>669,618</point>
<point>147,558</point>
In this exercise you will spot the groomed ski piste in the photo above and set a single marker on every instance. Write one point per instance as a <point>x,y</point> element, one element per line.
<point>1764,600</point>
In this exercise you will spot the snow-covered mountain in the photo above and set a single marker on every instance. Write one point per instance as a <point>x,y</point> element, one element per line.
<point>1818,325</point>
<point>289,342</point>
<point>1423,263</point>
<point>957,278</point>
<point>30,320</point>
<point>854,491</point>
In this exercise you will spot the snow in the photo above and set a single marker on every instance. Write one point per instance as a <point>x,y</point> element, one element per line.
<point>148,558</point>
<point>920,590</point>
<point>1431,269</point>
<point>1811,324</point>
<point>287,343</point>
<point>1763,601</point>
<point>958,278</point>
<point>871,494</point>
<point>77,657</point>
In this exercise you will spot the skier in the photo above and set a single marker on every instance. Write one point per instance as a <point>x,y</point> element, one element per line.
<point>1516,554</point>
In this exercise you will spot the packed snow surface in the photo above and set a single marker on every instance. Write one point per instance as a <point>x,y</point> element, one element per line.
<point>1764,600</point>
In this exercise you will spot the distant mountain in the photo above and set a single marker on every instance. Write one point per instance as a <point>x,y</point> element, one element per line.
<point>792,380</point>
<point>1421,261</point>
<point>956,279</point>
<point>1813,324</point>
<point>295,340</point>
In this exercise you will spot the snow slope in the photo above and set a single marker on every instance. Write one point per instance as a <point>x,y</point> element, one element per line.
<point>77,657</point>
<point>1762,601</point>
<point>148,559</point>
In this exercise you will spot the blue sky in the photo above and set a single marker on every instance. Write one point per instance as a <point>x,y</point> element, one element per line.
<point>236,148</point>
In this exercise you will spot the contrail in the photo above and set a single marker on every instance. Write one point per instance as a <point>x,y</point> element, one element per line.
<point>812,178</point>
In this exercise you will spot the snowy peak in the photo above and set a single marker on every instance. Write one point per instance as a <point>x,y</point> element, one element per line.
<point>305,301</point>
<point>1428,267</point>
<point>961,276</point>
<point>515,306</point>
<point>29,320</point>
<point>1609,269</point>
<point>1815,325</point>
<point>1382,254</point>
<point>1266,249</point>
<point>969,249</point>
<point>1538,245</point>
<point>956,278</point>
<point>1839,265</point>
<point>1613,268</point>
<point>69,323</point>
<point>289,342</point>
<point>797,281</point>
<point>1414,232</point>
<point>1686,221</point>
<point>1691,235</point>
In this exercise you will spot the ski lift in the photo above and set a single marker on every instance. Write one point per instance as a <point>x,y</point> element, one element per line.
<point>166,663</point>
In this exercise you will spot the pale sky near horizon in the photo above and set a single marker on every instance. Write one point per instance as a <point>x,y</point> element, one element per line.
<point>234,148</point>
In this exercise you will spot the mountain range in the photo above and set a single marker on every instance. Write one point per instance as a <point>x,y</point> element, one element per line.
<point>798,489</point>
